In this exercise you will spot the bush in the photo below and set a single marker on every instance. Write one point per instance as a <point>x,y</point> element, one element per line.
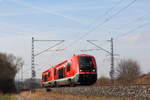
<point>127,71</point>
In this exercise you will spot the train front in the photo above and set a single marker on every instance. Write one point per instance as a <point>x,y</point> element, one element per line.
<point>87,70</point>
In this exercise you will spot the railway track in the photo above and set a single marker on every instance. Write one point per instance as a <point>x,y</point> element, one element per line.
<point>136,91</point>
<point>133,91</point>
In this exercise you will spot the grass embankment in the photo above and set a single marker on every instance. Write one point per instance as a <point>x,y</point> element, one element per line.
<point>42,95</point>
<point>7,97</point>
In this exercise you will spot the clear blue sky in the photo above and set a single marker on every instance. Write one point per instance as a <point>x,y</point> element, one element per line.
<point>70,19</point>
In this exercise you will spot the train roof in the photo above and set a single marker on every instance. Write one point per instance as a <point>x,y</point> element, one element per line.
<point>55,66</point>
<point>71,57</point>
<point>83,55</point>
<point>60,64</point>
<point>46,70</point>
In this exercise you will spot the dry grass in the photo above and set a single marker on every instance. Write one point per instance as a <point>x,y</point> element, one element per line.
<point>7,97</point>
<point>43,95</point>
<point>103,81</point>
<point>143,79</point>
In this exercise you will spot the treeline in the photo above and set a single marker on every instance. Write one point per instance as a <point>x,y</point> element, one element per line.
<point>9,66</point>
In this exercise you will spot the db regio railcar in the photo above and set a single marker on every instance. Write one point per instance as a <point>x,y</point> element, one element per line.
<point>77,70</point>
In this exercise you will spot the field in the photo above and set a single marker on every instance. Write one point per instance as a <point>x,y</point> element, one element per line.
<point>43,95</point>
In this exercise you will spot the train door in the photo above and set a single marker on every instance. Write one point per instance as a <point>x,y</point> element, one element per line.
<point>45,77</point>
<point>68,68</point>
<point>55,74</point>
<point>61,73</point>
<point>49,76</point>
<point>64,74</point>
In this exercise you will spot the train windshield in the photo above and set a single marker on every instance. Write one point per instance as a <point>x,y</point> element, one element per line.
<point>86,64</point>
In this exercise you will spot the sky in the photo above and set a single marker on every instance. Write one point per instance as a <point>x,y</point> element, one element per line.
<point>75,21</point>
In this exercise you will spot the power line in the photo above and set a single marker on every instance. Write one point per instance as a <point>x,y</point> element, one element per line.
<point>106,13</point>
<point>43,67</point>
<point>89,50</point>
<point>96,20</point>
<point>113,7</point>
<point>102,23</point>
<point>122,9</point>
<point>59,42</point>
<point>135,29</point>
<point>135,20</point>
<point>90,41</point>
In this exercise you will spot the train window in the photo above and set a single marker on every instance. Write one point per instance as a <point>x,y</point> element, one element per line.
<point>68,67</point>
<point>61,73</point>
<point>42,77</point>
<point>86,64</point>
<point>54,71</point>
<point>45,78</point>
<point>49,74</point>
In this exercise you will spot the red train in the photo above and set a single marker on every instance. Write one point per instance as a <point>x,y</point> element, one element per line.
<point>77,70</point>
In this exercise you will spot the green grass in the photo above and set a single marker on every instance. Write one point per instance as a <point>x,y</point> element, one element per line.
<point>8,97</point>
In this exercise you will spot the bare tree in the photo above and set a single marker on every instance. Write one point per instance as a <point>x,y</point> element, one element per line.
<point>9,65</point>
<point>127,71</point>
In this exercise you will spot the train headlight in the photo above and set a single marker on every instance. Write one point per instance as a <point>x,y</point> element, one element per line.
<point>93,70</point>
<point>80,70</point>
